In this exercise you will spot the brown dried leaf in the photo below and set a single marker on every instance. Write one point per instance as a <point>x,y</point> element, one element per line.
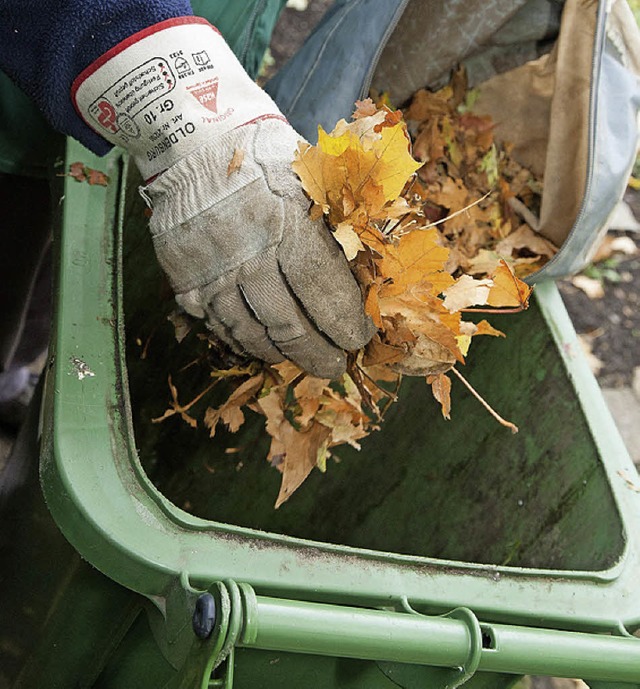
<point>230,413</point>
<point>308,393</point>
<point>77,171</point>
<point>590,286</point>
<point>426,105</point>
<point>294,453</point>
<point>182,324</point>
<point>485,328</point>
<point>180,409</point>
<point>82,173</point>
<point>96,177</point>
<point>303,452</point>
<point>611,245</point>
<point>349,241</point>
<point>236,161</point>
<point>288,372</point>
<point>364,108</point>
<point>428,358</point>
<point>372,305</point>
<point>484,263</point>
<point>377,353</point>
<point>441,389</point>
<point>525,238</point>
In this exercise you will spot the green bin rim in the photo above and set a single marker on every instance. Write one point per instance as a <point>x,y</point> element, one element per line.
<point>107,508</point>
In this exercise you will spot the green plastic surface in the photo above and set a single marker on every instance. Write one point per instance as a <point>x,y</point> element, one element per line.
<point>537,534</point>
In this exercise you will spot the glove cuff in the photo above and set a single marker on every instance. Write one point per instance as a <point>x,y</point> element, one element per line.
<point>166,91</point>
<point>202,179</point>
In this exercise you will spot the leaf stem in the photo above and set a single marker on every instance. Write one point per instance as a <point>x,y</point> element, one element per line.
<point>515,309</point>
<point>198,397</point>
<point>387,393</point>
<point>391,398</point>
<point>493,412</point>
<point>453,215</point>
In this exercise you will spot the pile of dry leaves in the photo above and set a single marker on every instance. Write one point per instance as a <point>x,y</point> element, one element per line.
<point>430,237</point>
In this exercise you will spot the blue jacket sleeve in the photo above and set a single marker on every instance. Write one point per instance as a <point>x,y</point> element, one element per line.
<point>45,44</point>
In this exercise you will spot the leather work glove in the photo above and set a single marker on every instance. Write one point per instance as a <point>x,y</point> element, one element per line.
<point>238,245</point>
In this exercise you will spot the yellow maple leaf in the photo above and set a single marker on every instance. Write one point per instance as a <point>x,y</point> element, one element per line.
<point>357,162</point>
<point>416,259</point>
<point>394,162</point>
<point>336,145</point>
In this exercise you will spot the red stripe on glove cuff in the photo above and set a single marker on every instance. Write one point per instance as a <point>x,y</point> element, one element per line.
<point>123,45</point>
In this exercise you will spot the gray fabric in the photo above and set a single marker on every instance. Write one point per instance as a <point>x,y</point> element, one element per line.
<point>613,151</point>
<point>401,46</point>
<point>241,250</point>
<point>526,36</point>
<point>432,37</point>
<point>322,81</point>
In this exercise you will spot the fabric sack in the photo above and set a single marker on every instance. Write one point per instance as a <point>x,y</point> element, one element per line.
<point>561,81</point>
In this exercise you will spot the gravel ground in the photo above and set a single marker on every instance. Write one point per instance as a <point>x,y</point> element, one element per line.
<point>611,323</point>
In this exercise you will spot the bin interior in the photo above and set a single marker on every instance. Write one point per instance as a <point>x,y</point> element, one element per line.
<point>464,490</point>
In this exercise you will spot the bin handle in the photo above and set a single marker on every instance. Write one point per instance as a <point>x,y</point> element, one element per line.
<point>468,669</point>
<point>461,674</point>
<point>451,640</point>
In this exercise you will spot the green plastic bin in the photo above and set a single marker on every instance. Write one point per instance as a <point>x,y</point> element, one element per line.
<point>442,553</point>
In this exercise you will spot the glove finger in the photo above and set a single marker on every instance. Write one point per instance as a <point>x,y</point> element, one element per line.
<point>195,303</point>
<point>233,322</point>
<point>269,297</point>
<point>223,333</point>
<point>319,275</point>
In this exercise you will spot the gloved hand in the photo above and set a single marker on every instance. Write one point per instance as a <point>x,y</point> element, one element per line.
<point>238,245</point>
